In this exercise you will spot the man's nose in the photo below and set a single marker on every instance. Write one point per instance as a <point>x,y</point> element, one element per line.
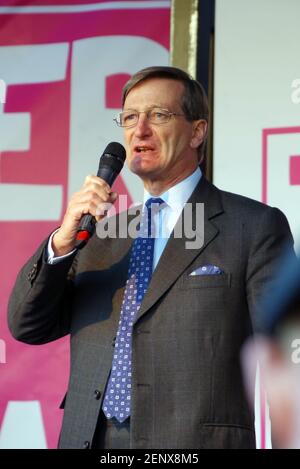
<point>143,126</point>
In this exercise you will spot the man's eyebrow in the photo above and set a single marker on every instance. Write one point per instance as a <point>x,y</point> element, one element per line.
<point>152,106</point>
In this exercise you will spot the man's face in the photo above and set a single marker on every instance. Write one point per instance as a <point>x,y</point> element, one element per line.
<point>163,152</point>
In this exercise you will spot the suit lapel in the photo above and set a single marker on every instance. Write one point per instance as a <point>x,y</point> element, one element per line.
<point>176,257</point>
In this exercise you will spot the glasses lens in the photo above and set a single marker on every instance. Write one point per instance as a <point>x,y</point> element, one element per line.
<point>159,116</point>
<point>155,115</point>
<point>128,118</point>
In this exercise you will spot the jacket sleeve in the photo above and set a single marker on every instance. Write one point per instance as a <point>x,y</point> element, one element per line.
<point>272,243</point>
<point>39,309</point>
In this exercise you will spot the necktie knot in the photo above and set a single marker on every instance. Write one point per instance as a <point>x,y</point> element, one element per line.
<point>154,201</point>
<point>153,205</point>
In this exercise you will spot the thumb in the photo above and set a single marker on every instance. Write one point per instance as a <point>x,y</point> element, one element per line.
<point>113,196</point>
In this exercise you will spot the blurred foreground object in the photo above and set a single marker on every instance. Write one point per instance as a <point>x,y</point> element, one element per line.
<point>277,350</point>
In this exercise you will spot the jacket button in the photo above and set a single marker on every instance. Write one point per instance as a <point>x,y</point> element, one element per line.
<point>114,341</point>
<point>86,445</point>
<point>97,394</point>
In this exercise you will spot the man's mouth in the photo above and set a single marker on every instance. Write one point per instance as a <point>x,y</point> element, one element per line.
<point>142,149</point>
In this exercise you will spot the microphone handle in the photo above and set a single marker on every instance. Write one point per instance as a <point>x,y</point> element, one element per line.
<point>108,174</point>
<point>87,223</point>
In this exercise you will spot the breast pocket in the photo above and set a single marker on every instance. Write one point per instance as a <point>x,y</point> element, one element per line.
<point>206,281</point>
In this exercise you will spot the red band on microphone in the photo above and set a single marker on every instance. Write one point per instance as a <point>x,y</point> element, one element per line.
<point>83,236</point>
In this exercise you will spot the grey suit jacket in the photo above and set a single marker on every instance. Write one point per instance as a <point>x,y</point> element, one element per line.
<point>187,389</point>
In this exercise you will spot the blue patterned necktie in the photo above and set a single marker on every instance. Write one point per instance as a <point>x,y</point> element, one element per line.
<point>117,398</point>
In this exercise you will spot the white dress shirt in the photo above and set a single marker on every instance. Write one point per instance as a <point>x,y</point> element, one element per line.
<point>166,219</point>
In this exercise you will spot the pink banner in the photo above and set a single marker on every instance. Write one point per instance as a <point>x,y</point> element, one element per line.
<point>64,67</point>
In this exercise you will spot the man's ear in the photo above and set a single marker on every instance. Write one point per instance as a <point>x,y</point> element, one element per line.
<point>199,132</point>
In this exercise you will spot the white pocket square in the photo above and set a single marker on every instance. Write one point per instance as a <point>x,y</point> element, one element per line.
<point>207,270</point>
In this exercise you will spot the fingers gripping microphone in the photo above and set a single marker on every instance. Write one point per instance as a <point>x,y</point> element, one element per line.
<point>110,165</point>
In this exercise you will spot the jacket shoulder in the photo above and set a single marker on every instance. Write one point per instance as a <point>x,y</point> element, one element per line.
<point>243,203</point>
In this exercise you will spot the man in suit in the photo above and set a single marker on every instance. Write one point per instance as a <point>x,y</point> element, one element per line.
<point>159,367</point>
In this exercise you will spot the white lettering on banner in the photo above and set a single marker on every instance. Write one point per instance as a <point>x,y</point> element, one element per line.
<point>22,426</point>
<point>2,351</point>
<point>2,91</point>
<point>295,96</point>
<point>28,65</point>
<point>26,202</point>
<point>94,60</point>
<point>296,353</point>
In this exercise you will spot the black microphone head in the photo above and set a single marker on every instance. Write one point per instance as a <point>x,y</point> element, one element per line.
<point>116,151</point>
<point>111,162</point>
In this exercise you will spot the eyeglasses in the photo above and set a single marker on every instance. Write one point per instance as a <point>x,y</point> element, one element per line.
<point>155,115</point>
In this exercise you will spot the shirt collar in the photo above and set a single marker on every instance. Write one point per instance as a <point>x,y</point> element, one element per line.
<point>178,195</point>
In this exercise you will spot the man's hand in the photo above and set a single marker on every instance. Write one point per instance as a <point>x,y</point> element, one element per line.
<point>91,199</point>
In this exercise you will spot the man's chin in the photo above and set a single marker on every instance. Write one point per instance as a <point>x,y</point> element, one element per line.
<point>141,166</point>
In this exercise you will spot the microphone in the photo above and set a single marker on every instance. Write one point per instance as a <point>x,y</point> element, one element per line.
<point>110,164</point>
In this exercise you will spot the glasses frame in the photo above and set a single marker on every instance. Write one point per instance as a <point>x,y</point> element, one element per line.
<point>170,114</point>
